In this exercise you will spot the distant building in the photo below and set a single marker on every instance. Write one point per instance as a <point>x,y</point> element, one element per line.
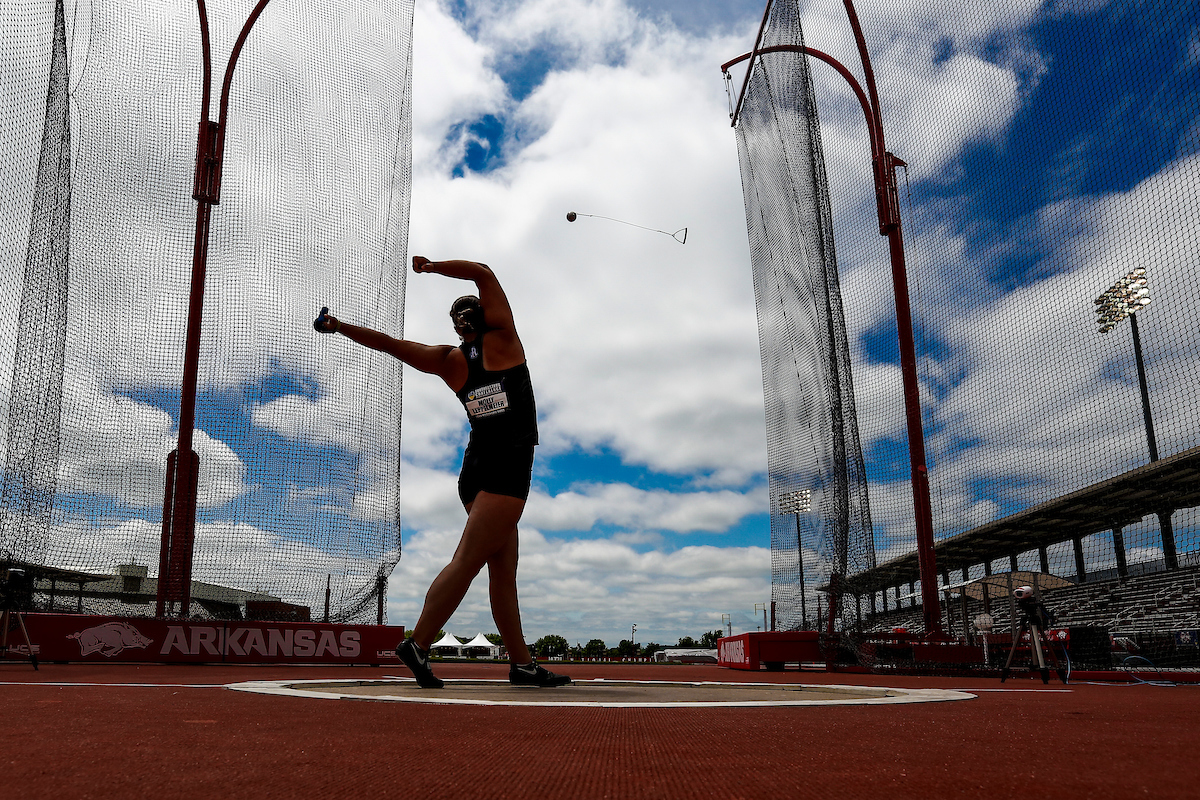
<point>132,593</point>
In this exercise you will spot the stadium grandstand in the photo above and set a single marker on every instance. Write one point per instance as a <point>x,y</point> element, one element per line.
<point>1044,408</point>
<point>132,592</point>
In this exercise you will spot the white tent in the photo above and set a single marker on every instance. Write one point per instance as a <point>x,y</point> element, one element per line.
<point>482,641</point>
<point>687,655</point>
<point>448,641</point>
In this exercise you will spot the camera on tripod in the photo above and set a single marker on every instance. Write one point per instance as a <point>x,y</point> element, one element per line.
<point>16,597</point>
<point>16,589</point>
<point>1032,609</point>
<point>1035,619</point>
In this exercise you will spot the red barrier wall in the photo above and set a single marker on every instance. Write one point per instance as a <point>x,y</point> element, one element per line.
<point>78,637</point>
<point>751,650</point>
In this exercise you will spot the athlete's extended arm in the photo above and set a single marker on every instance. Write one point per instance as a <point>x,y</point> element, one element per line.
<point>496,311</point>
<point>434,359</point>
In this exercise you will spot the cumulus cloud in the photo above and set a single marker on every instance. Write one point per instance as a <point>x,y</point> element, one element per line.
<point>116,447</point>
<point>639,346</point>
<point>614,504</point>
<point>598,588</point>
<point>1079,421</point>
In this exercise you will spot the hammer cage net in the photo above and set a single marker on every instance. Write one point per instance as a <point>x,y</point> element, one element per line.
<point>1052,189</point>
<point>297,435</point>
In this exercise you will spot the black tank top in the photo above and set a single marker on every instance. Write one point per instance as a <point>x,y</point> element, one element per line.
<point>499,404</point>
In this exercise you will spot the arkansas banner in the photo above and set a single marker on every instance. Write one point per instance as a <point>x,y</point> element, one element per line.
<point>772,649</point>
<point>76,637</point>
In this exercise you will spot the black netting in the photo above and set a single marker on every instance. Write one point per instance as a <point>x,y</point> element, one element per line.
<point>1052,152</point>
<point>34,418</point>
<point>298,438</point>
<point>813,453</point>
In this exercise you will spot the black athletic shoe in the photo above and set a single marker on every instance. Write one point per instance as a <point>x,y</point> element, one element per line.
<point>535,675</point>
<point>417,661</point>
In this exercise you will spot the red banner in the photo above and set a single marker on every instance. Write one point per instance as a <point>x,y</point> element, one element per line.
<point>751,650</point>
<point>77,637</point>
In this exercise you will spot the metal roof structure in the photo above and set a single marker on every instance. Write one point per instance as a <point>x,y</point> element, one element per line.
<point>39,572</point>
<point>1170,483</point>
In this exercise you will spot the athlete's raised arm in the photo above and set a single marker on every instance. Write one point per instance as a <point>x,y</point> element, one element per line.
<point>497,313</point>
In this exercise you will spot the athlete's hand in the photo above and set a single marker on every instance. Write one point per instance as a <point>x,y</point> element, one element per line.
<point>420,263</point>
<point>324,323</point>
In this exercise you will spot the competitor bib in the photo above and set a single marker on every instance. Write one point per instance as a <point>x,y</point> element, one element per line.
<point>486,401</point>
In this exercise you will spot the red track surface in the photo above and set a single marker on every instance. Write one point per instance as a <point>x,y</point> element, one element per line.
<point>184,736</point>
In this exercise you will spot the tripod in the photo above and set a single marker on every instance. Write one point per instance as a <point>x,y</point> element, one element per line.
<point>11,593</point>
<point>1033,623</point>
<point>6,622</point>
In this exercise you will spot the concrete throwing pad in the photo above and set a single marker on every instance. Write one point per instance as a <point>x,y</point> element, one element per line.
<point>601,693</point>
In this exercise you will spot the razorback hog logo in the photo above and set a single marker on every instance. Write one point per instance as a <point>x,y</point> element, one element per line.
<point>109,639</point>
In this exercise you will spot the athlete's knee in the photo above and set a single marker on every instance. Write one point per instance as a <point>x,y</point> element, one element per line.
<point>469,561</point>
<point>503,563</point>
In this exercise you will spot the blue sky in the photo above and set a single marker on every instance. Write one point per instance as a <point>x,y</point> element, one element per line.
<point>1043,113</point>
<point>1049,144</point>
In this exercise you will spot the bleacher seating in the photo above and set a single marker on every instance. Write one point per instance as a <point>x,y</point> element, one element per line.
<point>1158,602</point>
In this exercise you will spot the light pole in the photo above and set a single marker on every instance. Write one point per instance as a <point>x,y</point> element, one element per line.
<point>762,606</point>
<point>887,205</point>
<point>183,465</point>
<point>797,503</point>
<point>1124,299</point>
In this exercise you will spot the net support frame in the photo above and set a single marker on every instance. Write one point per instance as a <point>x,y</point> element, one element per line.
<point>884,165</point>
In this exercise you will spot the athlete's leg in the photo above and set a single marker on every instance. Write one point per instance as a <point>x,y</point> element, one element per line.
<point>502,588</point>
<point>491,520</point>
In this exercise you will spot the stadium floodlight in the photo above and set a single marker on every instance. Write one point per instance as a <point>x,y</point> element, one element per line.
<point>763,607</point>
<point>1125,298</point>
<point>797,502</point>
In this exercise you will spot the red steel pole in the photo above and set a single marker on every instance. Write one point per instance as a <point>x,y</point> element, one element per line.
<point>887,206</point>
<point>183,466</point>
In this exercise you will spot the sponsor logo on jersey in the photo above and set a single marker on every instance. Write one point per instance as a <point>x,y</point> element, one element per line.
<point>485,401</point>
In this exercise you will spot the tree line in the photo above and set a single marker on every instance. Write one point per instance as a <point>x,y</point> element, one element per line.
<point>554,646</point>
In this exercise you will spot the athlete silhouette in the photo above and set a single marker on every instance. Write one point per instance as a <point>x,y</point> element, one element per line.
<point>489,375</point>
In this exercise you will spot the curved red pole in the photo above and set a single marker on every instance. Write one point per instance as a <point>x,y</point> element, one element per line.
<point>888,205</point>
<point>233,58</point>
<point>888,209</point>
<point>206,54</point>
<point>868,112</point>
<point>179,500</point>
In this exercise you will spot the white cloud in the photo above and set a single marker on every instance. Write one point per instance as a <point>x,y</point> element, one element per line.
<point>614,319</point>
<point>1064,415</point>
<point>235,555</point>
<point>117,447</point>
<point>452,83</point>
<point>597,588</point>
<point>638,346</point>
<point>617,504</point>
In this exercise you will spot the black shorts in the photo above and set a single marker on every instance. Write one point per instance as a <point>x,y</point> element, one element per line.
<point>499,469</point>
